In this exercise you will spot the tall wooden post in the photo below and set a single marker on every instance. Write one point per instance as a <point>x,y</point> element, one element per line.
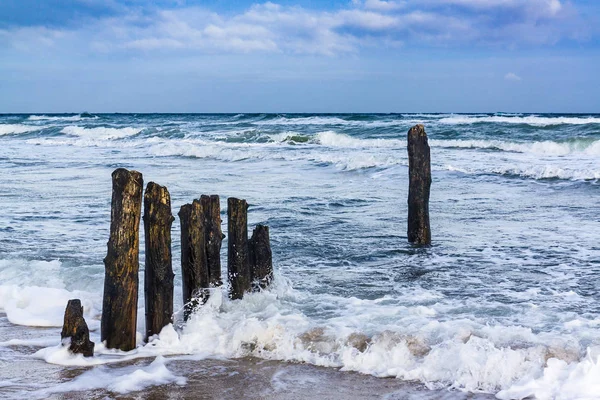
<point>419,171</point>
<point>261,258</point>
<point>158,278</point>
<point>119,305</point>
<point>213,236</point>
<point>194,268</point>
<point>238,269</point>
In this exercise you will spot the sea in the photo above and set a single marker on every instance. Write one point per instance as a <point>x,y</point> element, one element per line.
<point>504,304</point>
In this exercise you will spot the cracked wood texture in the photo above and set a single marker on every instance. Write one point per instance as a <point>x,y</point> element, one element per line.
<point>119,306</point>
<point>238,267</point>
<point>261,258</point>
<point>194,266</point>
<point>214,237</point>
<point>158,277</point>
<point>75,328</point>
<point>419,171</point>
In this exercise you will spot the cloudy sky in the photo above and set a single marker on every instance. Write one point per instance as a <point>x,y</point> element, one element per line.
<point>300,56</point>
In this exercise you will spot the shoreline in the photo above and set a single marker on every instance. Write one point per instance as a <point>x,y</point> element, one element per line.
<point>243,378</point>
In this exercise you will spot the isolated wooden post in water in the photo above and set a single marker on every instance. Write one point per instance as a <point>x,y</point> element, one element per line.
<point>238,268</point>
<point>194,268</point>
<point>213,236</point>
<point>158,278</point>
<point>261,258</point>
<point>419,170</point>
<point>74,327</point>
<point>119,307</point>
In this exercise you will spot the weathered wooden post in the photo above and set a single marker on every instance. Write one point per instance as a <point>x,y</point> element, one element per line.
<point>213,236</point>
<point>119,306</point>
<point>194,269</point>
<point>238,268</point>
<point>74,327</point>
<point>158,278</point>
<point>419,171</point>
<point>261,258</point>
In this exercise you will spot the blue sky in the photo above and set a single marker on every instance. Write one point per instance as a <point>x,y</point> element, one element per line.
<point>299,56</point>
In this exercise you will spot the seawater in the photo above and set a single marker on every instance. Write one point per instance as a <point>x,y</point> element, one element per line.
<point>505,302</point>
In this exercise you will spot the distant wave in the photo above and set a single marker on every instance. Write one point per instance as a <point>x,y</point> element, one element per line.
<point>78,117</point>
<point>543,172</point>
<point>582,145</point>
<point>526,120</point>
<point>101,132</point>
<point>9,129</point>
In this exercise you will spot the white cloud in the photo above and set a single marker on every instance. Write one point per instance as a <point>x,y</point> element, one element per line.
<point>511,76</point>
<point>273,28</point>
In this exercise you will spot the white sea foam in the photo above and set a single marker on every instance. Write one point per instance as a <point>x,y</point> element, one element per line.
<point>101,133</point>
<point>527,120</point>
<point>32,293</point>
<point>384,337</point>
<point>561,381</point>
<point>8,129</point>
<point>118,380</point>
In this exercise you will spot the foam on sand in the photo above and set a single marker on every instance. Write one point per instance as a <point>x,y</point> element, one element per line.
<point>118,380</point>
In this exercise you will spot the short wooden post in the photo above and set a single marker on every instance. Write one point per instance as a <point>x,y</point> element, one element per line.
<point>261,258</point>
<point>419,167</point>
<point>119,306</point>
<point>194,269</point>
<point>158,277</point>
<point>74,327</point>
<point>238,268</point>
<point>214,237</point>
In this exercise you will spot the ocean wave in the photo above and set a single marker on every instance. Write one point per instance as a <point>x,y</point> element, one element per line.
<point>382,339</point>
<point>77,117</point>
<point>101,133</point>
<point>525,120</point>
<point>11,129</point>
<point>539,172</point>
<point>334,139</point>
<point>583,145</point>
<point>227,151</point>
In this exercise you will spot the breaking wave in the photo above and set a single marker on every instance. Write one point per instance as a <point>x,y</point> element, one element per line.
<point>11,129</point>
<point>101,133</point>
<point>526,120</point>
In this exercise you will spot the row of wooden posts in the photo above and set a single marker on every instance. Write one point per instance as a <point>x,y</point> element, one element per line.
<point>249,262</point>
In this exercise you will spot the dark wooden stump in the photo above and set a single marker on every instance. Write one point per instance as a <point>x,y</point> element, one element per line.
<point>238,268</point>
<point>158,278</point>
<point>261,258</point>
<point>419,167</point>
<point>119,306</point>
<point>214,237</point>
<point>194,268</point>
<point>74,327</point>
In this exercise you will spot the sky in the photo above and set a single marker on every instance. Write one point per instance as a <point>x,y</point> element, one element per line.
<point>299,56</point>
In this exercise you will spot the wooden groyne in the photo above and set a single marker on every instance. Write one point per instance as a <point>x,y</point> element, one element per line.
<point>158,274</point>
<point>76,329</point>
<point>419,171</point>
<point>201,241</point>
<point>249,260</point>
<point>120,301</point>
